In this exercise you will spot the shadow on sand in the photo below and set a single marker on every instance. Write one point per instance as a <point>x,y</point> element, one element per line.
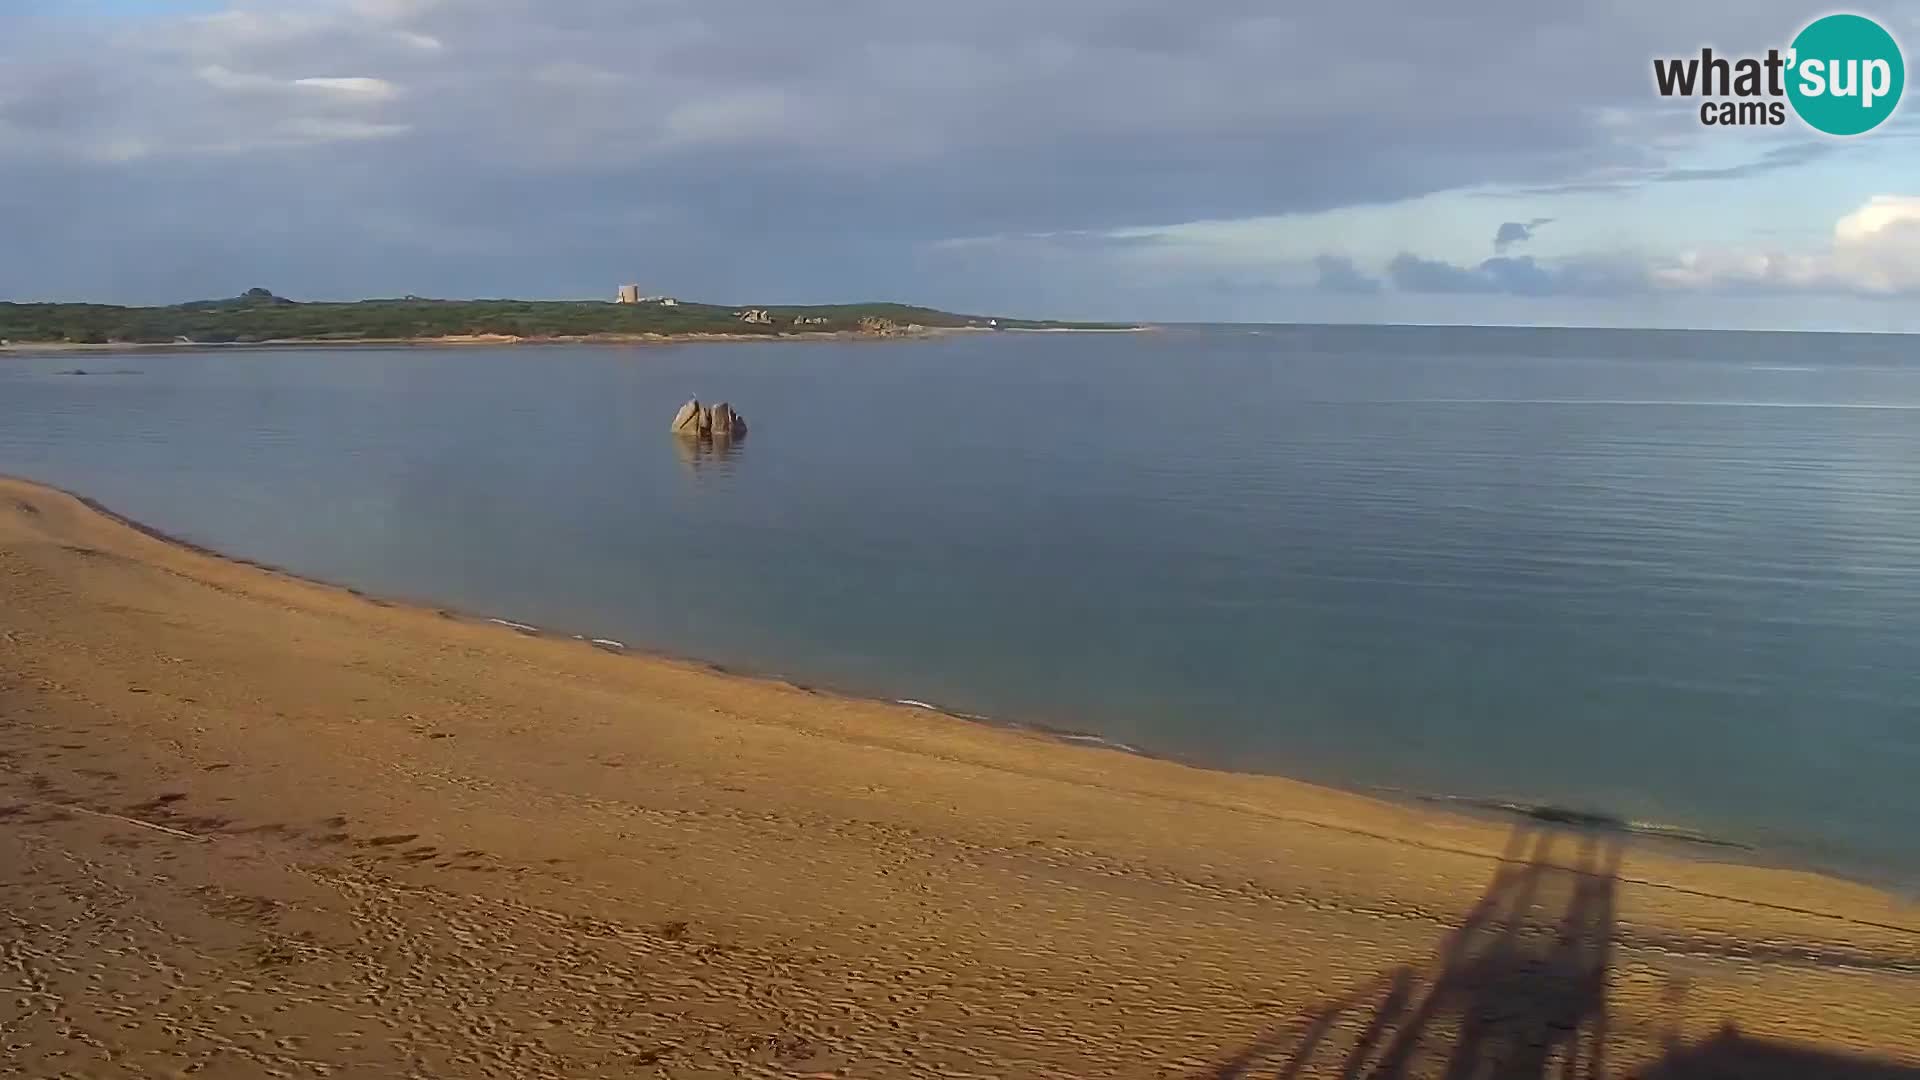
<point>1518,991</point>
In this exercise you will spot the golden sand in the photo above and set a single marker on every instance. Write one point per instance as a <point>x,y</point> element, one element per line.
<point>255,826</point>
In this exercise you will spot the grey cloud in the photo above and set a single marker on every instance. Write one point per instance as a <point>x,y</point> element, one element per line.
<point>1522,276</point>
<point>1779,157</point>
<point>1786,156</point>
<point>1518,276</point>
<point>747,145</point>
<point>1338,274</point>
<point>1516,232</point>
<point>1411,273</point>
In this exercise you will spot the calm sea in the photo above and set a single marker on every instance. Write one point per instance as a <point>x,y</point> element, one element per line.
<point>1667,576</point>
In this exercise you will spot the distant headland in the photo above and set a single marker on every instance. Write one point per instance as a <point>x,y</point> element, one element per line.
<point>259,317</point>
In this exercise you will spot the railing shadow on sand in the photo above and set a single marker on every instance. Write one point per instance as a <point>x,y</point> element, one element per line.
<point>1518,991</point>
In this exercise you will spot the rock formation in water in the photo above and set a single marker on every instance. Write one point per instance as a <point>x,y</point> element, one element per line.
<point>716,421</point>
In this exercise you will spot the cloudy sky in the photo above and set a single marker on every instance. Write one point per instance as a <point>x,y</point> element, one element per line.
<point>1505,161</point>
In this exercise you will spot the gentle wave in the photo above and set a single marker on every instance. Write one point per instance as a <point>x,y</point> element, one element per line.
<point>1095,740</point>
<point>1063,736</point>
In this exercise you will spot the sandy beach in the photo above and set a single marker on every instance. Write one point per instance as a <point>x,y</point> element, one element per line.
<point>252,825</point>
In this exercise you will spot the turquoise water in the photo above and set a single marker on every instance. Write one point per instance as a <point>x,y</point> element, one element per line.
<point>1666,576</point>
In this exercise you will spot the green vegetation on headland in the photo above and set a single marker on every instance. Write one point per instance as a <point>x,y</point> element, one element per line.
<point>259,316</point>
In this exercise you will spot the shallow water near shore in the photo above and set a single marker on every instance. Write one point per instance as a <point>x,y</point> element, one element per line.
<point>1662,577</point>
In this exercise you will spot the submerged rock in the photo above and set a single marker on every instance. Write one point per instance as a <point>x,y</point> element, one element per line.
<point>717,421</point>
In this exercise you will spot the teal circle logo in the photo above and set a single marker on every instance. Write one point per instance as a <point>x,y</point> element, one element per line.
<point>1845,74</point>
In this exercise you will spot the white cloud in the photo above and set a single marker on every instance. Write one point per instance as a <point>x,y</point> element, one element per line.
<point>222,78</point>
<point>1881,215</point>
<point>358,87</point>
<point>415,40</point>
<point>361,88</point>
<point>1874,250</point>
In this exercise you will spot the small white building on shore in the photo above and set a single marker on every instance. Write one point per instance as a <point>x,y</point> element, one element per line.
<point>630,294</point>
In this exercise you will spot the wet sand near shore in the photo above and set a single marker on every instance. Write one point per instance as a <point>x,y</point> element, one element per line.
<point>256,826</point>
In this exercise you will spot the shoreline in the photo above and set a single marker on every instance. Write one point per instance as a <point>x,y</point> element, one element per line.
<point>31,348</point>
<point>344,835</point>
<point>1683,841</point>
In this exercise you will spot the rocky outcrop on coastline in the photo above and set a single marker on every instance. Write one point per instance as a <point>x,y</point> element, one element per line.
<point>716,421</point>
